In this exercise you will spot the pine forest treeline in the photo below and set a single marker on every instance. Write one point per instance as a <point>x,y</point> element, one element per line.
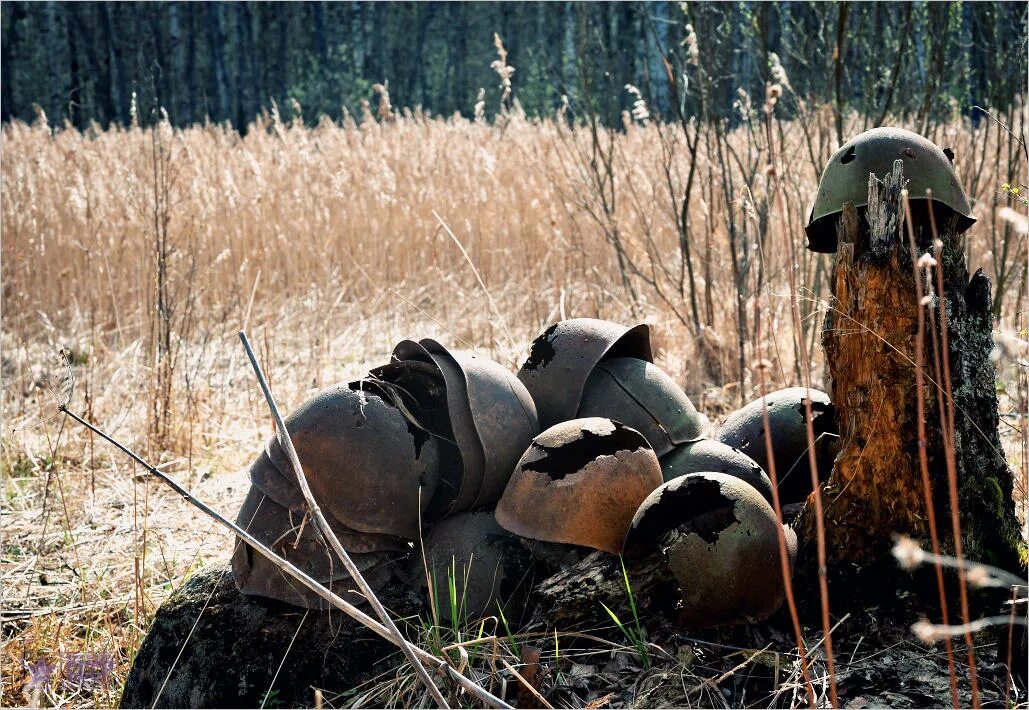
<point>105,61</point>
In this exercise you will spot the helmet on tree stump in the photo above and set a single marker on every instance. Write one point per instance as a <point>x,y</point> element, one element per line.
<point>845,179</point>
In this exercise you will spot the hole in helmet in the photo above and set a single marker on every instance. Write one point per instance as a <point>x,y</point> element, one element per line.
<point>542,350</point>
<point>696,506</point>
<point>572,456</point>
<point>949,153</point>
<point>848,156</point>
<point>908,153</point>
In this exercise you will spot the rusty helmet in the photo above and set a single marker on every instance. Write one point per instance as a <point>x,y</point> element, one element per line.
<point>461,476</point>
<point>297,541</point>
<point>579,483</point>
<point>845,179</point>
<point>719,538</point>
<point>492,420</point>
<point>710,456</point>
<point>744,429</point>
<point>503,414</point>
<point>563,356</point>
<point>476,552</point>
<point>280,487</point>
<point>368,465</point>
<point>640,395</point>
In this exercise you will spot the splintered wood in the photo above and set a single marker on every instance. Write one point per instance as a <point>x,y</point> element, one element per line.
<point>869,337</point>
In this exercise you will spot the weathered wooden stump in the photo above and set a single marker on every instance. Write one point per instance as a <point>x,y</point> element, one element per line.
<point>875,490</point>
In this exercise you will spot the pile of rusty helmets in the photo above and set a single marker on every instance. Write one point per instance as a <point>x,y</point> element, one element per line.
<point>436,463</point>
<point>432,434</point>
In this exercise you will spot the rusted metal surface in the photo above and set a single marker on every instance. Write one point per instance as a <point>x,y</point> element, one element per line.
<point>845,179</point>
<point>297,540</point>
<point>710,456</point>
<point>641,395</point>
<point>503,416</point>
<point>744,429</point>
<point>580,483</point>
<point>463,484</point>
<point>492,419</point>
<point>719,537</point>
<point>563,356</point>
<point>265,474</point>
<point>368,466</point>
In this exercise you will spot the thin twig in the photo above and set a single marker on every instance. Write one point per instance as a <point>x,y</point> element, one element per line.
<point>784,560</point>
<point>949,456</point>
<point>1011,639</point>
<point>923,454</point>
<point>805,373</point>
<point>930,632</point>
<point>267,693</point>
<point>493,304</point>
<point>292,570</point>
<point>527,684</point>
<point>979,574</point>
<point>717,681</point>
<point>323,527</point>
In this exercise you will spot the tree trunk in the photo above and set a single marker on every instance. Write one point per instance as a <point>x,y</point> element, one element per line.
<point>11,16</point>
<point>115,68</point>
<point>283,56</point>
<point>191,90</point>
<point>218,88</point>
<point>876,490</point>
<point>244,65</point>
<point>176,66</point>
<point>77,94</point>
<point>55,39</point>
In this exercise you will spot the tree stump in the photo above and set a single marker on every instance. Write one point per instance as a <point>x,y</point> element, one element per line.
<point>875,490</point>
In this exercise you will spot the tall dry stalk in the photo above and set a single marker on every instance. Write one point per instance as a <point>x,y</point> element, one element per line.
<point>920,271</point>
<point>942,346</point>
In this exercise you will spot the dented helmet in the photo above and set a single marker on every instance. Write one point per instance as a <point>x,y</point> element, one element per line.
<point>368,465</point>
<point>579,483</point>
<point>744,429</point>
<point>296,539</point>
<point>492,418</point>
<point>719,538</point>
<point>563,356</point>
<point>710,456</point>
<point>845,179</point>
<point>640,395</point>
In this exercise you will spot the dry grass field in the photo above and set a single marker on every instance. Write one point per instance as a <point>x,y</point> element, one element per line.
<point>131,258</point>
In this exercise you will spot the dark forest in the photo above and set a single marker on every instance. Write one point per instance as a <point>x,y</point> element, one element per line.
<point>83,62</point>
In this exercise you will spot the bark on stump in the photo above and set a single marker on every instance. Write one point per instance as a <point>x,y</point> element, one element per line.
<point>875,489</point>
